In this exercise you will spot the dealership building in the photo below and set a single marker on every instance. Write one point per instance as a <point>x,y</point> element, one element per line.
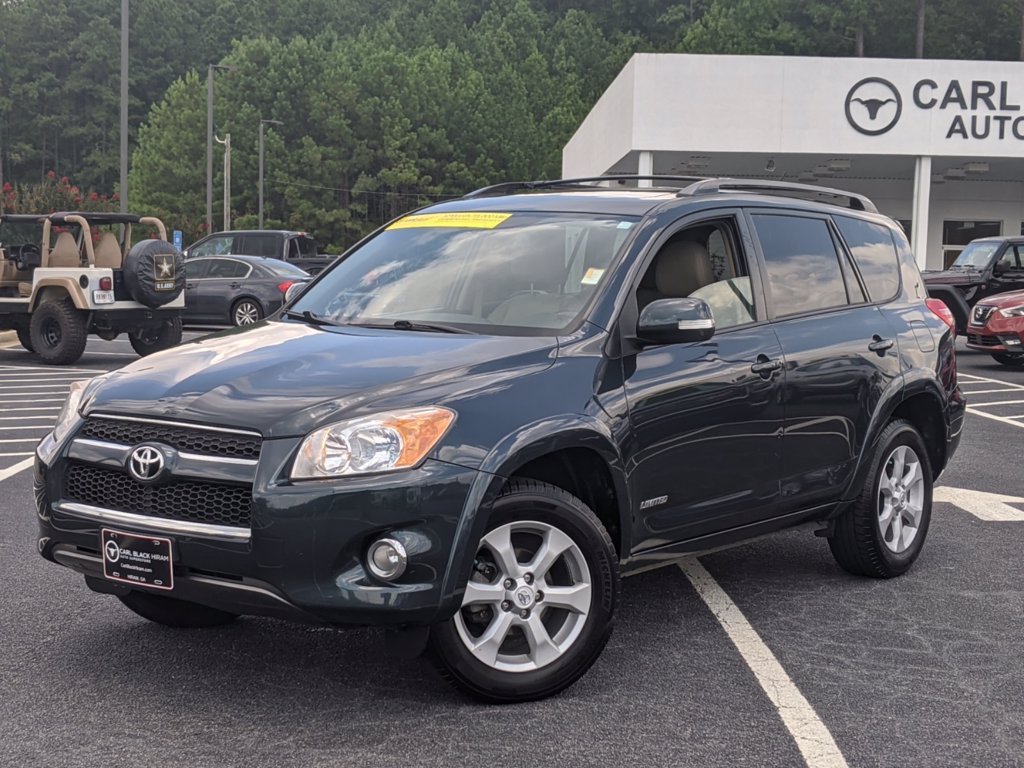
<point>938,145</point>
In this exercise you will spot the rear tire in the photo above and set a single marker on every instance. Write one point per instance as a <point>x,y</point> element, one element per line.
<point>538,636</point>
<point>246,312</point>
<point>1014,361</point>
<point>166,336</point>
<point>57,332</point>
<point>25,338</point>
<point>881,535</point>
<point>171,612</point>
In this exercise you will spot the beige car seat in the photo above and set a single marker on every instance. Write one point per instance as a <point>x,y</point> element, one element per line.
<point>64,253</point>
<point>680,268</point>
<point>108,251</point>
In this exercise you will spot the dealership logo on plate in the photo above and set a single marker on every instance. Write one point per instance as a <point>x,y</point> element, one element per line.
<point>873,106</point>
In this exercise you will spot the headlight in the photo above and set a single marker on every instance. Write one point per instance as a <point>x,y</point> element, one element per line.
<point>1017,311</point>
<point>381,443</point>
<point>68,415</point>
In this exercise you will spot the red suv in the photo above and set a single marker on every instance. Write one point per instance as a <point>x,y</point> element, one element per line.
<point>997,327</point>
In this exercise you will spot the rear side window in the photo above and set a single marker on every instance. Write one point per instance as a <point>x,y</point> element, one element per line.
<point>873,251</point>
<point>258,245</point>
<point>227,268</point>
<point>802,263</point>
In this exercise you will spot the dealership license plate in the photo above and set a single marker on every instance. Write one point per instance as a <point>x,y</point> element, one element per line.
<point>143,561</point>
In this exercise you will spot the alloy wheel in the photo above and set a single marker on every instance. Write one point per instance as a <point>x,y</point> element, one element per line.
<point>246,313</point>
<point>901,496</point>
<point>529,597</point>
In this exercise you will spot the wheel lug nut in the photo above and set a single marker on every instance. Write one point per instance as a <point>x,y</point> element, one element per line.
<point>524,614</point>
<point>509,584</point>
<point>528,578</point>
<point>539,596</point>
<point>506,605</point>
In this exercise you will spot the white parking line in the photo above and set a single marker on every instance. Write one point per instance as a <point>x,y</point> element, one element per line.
<point>35,400</point>
<point>812,738</point>
<point>54,408</point>
<point>27,417</point>
<point>27,440</point>
<point>15,454</point>
<point>19,385</point>
<point>986,391</point>
<point>11,471</point>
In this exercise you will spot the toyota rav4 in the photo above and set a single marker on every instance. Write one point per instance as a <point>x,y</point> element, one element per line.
<point>471,424</point>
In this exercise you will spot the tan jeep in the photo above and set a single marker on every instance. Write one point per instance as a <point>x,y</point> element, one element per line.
<point>82,276</point>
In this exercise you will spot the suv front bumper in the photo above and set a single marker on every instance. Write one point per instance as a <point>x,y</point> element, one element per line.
<point>303,558</point>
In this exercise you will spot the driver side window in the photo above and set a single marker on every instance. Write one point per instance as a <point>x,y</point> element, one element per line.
<point>702,262</point>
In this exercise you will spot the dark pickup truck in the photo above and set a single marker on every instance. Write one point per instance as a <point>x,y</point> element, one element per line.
<point>987,266</point>
<point>296,248</point>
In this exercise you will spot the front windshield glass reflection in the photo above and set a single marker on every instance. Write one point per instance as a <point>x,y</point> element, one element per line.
<point>485,273</point>
<point>976,255</point>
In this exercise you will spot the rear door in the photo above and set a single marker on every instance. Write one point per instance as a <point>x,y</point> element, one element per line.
<point>840,351</point>
<point>222,284</point>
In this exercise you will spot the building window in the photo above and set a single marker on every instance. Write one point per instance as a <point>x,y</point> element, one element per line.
<point>957,234</point>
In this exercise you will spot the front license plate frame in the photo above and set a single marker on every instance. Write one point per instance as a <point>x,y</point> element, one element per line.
<point>137,559</point>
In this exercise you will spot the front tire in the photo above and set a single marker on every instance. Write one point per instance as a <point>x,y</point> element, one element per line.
<point>541,603</point>
<point>882,534</point>
<point>171,612</point>
<point>1014,361</point>
<point>147,342</point>
<point>246,312</point>
<point>57,332</point>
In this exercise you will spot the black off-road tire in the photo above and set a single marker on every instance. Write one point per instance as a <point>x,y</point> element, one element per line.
<point>857,543</point>
<point>25,338</point>
<point>171,612</point>
<point>58,332</point>
<point>157,340</point>
<point>1014,361</point>
<point>530,500</point>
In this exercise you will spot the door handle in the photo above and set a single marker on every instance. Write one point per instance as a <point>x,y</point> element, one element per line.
<point>765,367</point>
<point>235,285</point>
<point>190,285</point>
<point>879,345</point>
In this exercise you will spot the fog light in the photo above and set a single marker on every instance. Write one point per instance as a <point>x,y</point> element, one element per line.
<point>1011,341</point>
<point>386,559</point>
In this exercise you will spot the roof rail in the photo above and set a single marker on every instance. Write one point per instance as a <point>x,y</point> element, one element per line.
<point>841,197</point>
<point>585,182</point>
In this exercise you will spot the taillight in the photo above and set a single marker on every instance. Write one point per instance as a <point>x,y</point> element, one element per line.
<point>938,306</point>
<point>283,287</point>
<point>106,284</point>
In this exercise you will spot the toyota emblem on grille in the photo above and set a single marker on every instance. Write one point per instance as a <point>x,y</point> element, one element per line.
<point>146,463</point>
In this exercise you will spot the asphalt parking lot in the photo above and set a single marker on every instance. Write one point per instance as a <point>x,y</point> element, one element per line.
<point>764,655</point>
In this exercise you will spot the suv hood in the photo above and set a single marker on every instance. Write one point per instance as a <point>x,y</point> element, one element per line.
<point>1003,300</point>
<point>952,277</point>
<point>284,379</point>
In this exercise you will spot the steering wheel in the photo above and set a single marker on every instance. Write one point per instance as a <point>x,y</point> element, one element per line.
<point>20,256</point>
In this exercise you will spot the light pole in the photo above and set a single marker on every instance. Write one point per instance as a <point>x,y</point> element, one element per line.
<point>209,142</point>
<point>227,179</point>
<point>124,106</point>
<point>262,123</point>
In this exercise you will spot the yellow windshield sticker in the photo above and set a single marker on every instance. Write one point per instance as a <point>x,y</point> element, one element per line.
<point>452,220</point>
<point>592,276</point>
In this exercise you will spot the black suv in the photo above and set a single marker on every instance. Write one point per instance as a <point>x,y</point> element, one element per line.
<point>471,424</point>
<point>986,266</point>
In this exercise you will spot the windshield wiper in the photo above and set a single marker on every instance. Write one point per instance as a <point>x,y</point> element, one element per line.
<point>310,318</point>
<point>408,325</point>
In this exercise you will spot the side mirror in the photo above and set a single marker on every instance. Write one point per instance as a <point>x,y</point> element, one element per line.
<point>675,321</point>
<point>293,290</point>
<point>997,269</point>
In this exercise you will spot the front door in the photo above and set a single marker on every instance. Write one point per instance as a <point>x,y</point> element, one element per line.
<point>195,270</point>
<point>706,418</point>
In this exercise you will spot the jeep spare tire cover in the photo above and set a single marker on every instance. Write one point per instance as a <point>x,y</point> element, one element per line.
<point>154,272</point>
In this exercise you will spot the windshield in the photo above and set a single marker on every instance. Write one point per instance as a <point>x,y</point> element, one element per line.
<point>496,273</point>
<point>976,255</point>
<point>20,233</point>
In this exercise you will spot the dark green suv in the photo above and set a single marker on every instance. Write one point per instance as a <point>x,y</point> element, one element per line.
<point>471,424</point>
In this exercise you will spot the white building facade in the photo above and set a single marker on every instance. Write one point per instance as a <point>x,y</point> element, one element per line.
<point>938,145</point>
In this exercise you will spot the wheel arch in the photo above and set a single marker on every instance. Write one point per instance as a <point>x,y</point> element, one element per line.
<point>55,288</point>
<point>544,452</point>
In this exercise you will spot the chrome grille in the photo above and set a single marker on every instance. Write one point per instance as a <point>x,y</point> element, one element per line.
<point>200,440</point>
